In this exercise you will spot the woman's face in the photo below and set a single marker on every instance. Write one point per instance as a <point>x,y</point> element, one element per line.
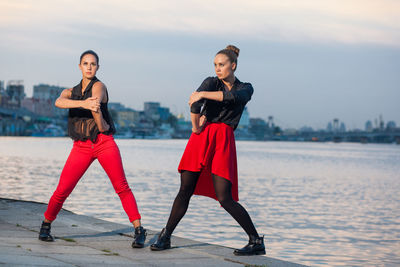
<point>88,66</point>
<point>223,67</point>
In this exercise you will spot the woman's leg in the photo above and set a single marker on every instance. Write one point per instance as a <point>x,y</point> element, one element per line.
<point>223,191</point>
<point>181,203</point>
<point>188,184</point>
<point>76,165</point>
<point>110,160</point>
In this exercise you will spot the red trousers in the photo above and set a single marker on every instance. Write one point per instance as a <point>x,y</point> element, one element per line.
<point>82,155</point>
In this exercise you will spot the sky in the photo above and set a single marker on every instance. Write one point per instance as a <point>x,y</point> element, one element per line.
<point>309,61</point>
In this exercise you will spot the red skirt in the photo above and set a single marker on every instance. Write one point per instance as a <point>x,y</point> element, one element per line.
<point>213,151</point>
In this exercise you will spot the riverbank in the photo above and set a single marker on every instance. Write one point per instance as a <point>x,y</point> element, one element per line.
<point>87,241</point>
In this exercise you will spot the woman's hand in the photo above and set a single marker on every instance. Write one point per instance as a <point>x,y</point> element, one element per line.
<point>202,122</point>
<point>196,130</point>
<point>194,97</point>
<point>91,103</point>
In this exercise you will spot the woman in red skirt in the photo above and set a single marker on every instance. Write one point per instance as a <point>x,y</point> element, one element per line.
<point>208,166</point>
<point>91,127</point>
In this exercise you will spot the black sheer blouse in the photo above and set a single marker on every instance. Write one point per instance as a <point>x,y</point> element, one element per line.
<point>81,124</point>
<point>230,109</point>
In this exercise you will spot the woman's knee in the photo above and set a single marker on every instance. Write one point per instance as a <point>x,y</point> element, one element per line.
<point>225,200</point>
<point>121,186</point>
<point>185,193</point>
<point>61,195</point>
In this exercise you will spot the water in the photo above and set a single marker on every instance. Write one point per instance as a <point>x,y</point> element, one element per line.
<point>316,203</point>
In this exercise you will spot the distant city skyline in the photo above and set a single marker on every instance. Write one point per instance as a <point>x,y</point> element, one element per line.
<point>309,62</point>
<point>37,116</point>
<point>373,121</point>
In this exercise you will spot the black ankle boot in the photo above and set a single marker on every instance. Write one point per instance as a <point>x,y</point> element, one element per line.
<point>254,247</point>
<point>44,233</point>
<point>163,241</point>
<point>139,238</point>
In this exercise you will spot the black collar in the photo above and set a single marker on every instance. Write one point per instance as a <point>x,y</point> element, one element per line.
<point>88,87</point>
<point>221,86</point>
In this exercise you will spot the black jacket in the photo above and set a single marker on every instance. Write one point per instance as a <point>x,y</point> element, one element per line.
<point>230,109</point>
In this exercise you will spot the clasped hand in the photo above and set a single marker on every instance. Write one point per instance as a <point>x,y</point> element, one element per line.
<point>92,103</point>
<point>202,122</point>
<point>194,97</point>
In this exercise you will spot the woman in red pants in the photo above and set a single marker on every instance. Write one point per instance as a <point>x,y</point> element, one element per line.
<point>208,166</point>
<point>91,127</point>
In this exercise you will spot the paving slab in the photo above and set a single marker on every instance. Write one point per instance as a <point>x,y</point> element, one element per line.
<point>87,241</point>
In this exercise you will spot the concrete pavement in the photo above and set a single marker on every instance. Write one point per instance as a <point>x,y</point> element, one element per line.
<point>86,241</point>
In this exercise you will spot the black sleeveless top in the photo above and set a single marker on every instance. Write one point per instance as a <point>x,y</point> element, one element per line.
<point>81,124</point>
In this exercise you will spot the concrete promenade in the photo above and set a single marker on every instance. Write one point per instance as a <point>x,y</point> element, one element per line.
<point>86,241</point>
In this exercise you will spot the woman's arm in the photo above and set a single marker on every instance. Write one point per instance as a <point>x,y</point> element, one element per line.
<point>195,118</point>
<point>99,91</point>
<point>198,122</point>
<point>65,101</point>
<point>242,95</point>
<point>196,96</point>
<point>209,84</point>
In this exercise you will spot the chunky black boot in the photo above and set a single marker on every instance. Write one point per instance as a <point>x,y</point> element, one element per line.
<point>140,237</point>
<point>44,233</point>
<point>254,247</point>
<point>163,241</point>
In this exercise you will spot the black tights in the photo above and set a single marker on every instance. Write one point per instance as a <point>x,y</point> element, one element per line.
<point>223,191</point>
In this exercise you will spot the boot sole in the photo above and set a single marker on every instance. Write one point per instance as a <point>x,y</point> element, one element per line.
<point>137,246</point>
<point>260,252</point>
<point>46,239</point>
<point>159,249</point>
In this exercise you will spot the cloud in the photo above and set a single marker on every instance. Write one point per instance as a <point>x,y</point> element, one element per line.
<point>168,46</point>
<point>352,21</point>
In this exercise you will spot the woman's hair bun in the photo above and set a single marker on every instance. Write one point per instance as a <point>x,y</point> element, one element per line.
<point>232,52</point>
<point>234,49</point>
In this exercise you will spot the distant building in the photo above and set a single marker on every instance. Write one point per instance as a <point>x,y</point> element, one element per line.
<point>151,110</point>
<point>155,112</point>
<point>258,127</point>
<point>43,99</point>
<point>116,106</point>
<point>342,127</point>
<point>3,95</point>
<point>329,127</point>
<point>15,92</point>
<point>271,123</point>
<point>306,129</point>
<point>38,106</point>
<point>257,122</point>
<point>335,125</point>
<point>245,119</point>
<point>164,113</point>
<point>391,125</point>
<point>184,124</point>
<point>290,131</point>
<point>368,126</point>
<point>381,123</point>
<point>183,127</point>
<point>45,92</point>
<point>124,117</point>
<point>127,117</point>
